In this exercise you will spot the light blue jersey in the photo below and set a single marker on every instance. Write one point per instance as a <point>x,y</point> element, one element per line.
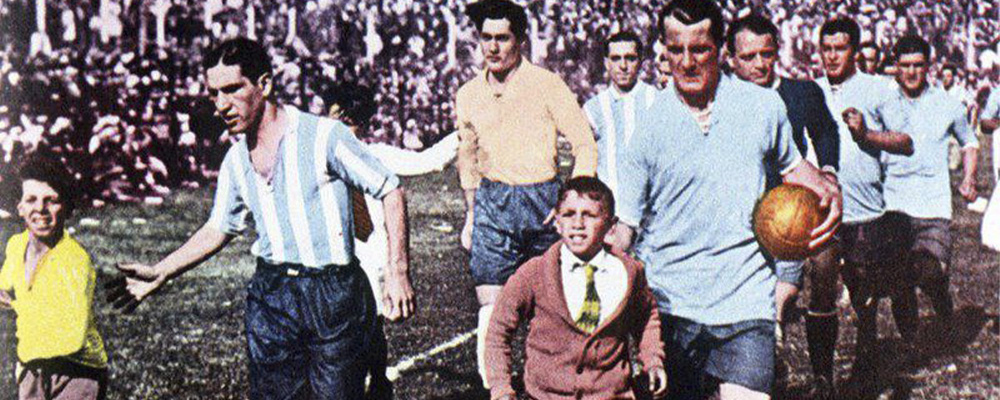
<point>303,214</point>
<point>691,195</point>
<point>613,118</point>
<point>919,185</point>
<point>861,171</point>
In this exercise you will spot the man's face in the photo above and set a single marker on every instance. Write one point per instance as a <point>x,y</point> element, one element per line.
<point>755,57</point>
<point>838,55</point>
<point>501,48</point>
<point>582,223</point>
<point>947,78</point>
<point>42,209</point>
<point>693,56</point>
<point>869,60</point>
<point>622,63</point>
<point>237,99</point>
<point>911,72</point>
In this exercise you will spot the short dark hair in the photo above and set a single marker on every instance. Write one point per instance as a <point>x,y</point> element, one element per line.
<point>249,55</point>
<point>690,12</point>
<point>356,101</point>
<point>482,10</point>
<point>591,188</point>
<point>910,44</point>
<point>754,23</point>
<point>842,25</point>
<point>44,169</point>
<point>623,36</point>
<point>950,67</point>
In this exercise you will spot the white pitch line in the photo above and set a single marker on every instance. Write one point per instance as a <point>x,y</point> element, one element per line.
<point>407,363</point>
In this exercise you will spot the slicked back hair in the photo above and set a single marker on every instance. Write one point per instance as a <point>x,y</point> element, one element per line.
<point>591,188</point>
<point>623,36</point>
<point>842,25</point>
<point>911,44</point>
<point>482,10</point>
<point>249,55</point>
<point>756,24</point>
<point>690,12</point>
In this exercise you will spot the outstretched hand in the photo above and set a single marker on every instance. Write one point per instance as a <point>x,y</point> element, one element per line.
<point>139,281</point>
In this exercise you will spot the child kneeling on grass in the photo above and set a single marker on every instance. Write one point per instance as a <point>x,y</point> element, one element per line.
<point>48,280</point>
<point>581,304</point>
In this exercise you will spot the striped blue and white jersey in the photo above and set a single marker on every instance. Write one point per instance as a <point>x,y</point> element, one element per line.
<point>303,215</point>
<point>612,116</point>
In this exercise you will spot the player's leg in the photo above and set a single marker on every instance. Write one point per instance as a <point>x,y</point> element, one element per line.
<point>339,312</point>
<point>278,363</point>
<point>493,256</point>
<point>742,359</point>
<point>372,255</point>
<point>931,258</point>
<point>822,324</point>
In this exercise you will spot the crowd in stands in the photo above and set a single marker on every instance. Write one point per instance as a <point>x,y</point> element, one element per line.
<point>114,88</point>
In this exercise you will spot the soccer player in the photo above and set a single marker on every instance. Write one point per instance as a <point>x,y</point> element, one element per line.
<point>578,334</point>
<point>48,279</point>
<point>870,58</point>
<point>663,75</point>
<point>508,118</point>
<point>612,111</point>
<point>753,47</point>
<point>290,175</point>
<point>697,165</point>
<point>918,187</point>
<point>857,98</point>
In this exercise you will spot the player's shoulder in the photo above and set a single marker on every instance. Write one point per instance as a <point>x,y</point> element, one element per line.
<point>753,95</point>
<point>71,252</point>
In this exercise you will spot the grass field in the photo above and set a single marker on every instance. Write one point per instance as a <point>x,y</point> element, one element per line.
<point>187,342</point>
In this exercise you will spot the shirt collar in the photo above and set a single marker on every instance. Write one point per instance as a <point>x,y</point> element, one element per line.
<point>570,261</point>
<point>512,80</point>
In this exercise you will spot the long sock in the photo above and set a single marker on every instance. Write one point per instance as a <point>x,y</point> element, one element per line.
<point>485,312</point>
<point>906,314</point>
<point>821,338</point>
<point>867,328</point>
<point>937,291</point>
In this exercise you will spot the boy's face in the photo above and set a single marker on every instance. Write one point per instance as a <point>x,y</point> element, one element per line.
<point>42,209</point>
<point>582,223</point>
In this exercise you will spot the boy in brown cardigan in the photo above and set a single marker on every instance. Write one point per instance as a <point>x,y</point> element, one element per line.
<point>581,304</point>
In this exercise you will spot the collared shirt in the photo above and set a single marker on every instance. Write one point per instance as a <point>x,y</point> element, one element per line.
<point>612,115</point>
<point>610,280</point>
<point>861,170</point>
<point>692,195</point>
<point>992,110</point>
<point>303,215</point>
<point>54,313</point>
<point>510,137</point>
<point>920,184</point>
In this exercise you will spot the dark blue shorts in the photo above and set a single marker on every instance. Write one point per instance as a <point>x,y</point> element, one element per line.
<point>309,330</point>
<point>698,356</point>
<point>507,228</point>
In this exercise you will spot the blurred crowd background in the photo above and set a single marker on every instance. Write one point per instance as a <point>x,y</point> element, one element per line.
<point>114,87</point>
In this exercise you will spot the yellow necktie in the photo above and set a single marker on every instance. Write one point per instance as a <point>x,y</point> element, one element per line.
<point>590,314</point>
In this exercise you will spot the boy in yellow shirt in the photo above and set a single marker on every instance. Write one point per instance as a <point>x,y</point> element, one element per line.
<point>48,280</point>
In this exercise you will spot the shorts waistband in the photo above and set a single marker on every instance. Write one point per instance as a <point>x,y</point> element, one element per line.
<point>488,184</point>
<point>294,269</point>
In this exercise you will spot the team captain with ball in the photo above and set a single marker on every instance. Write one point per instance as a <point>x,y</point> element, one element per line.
<point>689,177</point>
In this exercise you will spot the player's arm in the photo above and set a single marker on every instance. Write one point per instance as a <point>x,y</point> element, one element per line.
<point>468,167</point>
<point>805,174</point>
<point>398,294</point>
<point>963,133</point>
<point>573,124</point>
<point>989,119</point>
<point>512,306</point>
<point>141,280</point>
<point>888,141</point>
